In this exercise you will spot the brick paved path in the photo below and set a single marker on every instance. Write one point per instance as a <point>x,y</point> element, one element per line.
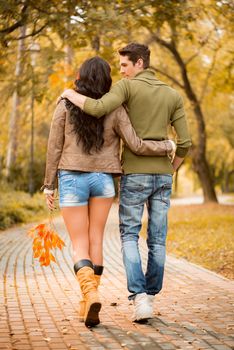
<point>38,305</point>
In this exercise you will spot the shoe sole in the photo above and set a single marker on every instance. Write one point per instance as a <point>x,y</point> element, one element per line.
<point>92,318</point>
<point>142,320</point>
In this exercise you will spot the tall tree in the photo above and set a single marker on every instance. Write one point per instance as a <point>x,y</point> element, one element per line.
<point>15,114</point>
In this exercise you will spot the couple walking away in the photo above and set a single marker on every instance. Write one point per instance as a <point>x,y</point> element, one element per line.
<point>84,154</point>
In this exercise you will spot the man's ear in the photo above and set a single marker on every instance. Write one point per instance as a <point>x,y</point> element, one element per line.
<point>140,63</point>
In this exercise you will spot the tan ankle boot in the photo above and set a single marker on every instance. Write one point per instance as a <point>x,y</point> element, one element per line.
<point>97,279</point>
<point>88,286</point>
<point>81,311</point>
<point>82,302</point>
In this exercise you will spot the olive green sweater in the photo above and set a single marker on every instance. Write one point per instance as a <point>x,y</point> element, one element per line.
<point>152,106</point>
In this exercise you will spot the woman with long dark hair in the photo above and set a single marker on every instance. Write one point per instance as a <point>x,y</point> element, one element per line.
<point>83,152</point>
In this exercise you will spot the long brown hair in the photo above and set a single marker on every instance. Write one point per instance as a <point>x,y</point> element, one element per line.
<point>94,81</point>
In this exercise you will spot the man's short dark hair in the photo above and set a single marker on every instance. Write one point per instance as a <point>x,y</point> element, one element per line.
<point>134,51</point>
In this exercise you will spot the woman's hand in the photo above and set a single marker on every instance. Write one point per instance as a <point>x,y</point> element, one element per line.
<point>177,161</point>
<point>50,201</point>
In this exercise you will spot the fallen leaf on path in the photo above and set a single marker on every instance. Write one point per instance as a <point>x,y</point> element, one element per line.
<point>47,339</point>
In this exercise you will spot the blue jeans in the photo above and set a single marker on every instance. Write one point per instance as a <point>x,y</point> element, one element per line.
<point>76,187</point>
<point>135,191</point>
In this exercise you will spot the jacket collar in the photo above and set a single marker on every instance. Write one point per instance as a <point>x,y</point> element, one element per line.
<point>145,72</point>
<point>148,76</point>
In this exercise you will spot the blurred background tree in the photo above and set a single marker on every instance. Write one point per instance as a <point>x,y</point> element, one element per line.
<point>191,47</point>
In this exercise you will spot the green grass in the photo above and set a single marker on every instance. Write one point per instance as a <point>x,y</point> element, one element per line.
<point>18,207</point>
<point>204,235</point>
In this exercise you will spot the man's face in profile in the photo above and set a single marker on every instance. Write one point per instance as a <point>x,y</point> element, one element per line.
<point>128,69</point>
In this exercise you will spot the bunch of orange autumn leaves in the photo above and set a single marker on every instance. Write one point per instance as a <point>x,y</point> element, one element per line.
<point>45,238</point>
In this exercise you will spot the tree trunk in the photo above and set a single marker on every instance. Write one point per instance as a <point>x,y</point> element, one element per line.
<point>95,43</point>
<point>202,169</point>
<point>68,62</point>
<point>15,115</point>
<point>227,179</point>
<point>200,164</point>
<point>68,56</point>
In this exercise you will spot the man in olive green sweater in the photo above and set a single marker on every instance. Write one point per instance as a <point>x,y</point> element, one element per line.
<point>152,106</point>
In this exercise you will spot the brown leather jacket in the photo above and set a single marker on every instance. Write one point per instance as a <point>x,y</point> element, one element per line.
<point>64,153</point>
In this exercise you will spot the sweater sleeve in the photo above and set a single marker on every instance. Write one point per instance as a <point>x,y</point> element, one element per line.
<point>179,122</point>
<point>55,146</point>
<point>118,94</point>
<point>124,129</point>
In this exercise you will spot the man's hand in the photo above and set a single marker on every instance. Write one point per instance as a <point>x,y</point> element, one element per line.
<point>68,92</point>
<point>74,97</point>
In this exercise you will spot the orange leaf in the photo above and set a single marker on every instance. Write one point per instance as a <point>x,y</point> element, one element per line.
<point>46,262</point>
<point>52,257</point>
<point>31,233</point>
<point>37,241</point>
<point>45,238</point>
<point>47,244</point>
<point>59,245</point>
<point>42,259</point>
<point>36,254</point>
<point>41,233</point>
<point>40,227</point>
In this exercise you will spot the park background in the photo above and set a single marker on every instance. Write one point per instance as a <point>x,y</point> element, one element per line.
<point>43,43</point>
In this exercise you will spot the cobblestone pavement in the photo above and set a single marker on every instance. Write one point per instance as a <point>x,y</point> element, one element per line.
<point>39,305</point>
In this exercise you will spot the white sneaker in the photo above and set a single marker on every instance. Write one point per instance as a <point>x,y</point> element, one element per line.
<point>142,308</point>
<point>171,155</point>
<point>151,300</point>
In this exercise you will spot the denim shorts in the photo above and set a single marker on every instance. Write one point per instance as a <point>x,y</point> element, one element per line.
<point>76,187</point>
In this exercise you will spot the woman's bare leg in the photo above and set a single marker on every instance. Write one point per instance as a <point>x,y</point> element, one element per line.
<point>77,222</point>
<point>98,212</point>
